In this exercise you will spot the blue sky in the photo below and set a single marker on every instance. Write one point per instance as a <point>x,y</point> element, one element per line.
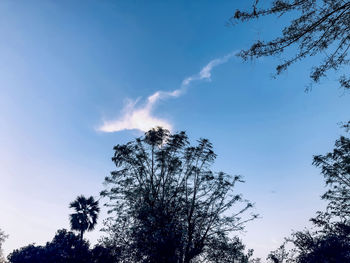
<point>69,67</point>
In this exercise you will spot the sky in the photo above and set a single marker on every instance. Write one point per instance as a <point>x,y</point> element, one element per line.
<point>78,77</point>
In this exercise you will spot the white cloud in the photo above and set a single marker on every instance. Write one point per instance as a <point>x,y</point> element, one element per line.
<point>141,117</point>
<point>205,73</point>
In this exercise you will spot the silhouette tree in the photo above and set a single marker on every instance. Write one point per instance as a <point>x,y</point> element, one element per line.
<point>86,214</point>
<point>281,255</point>
<point>328,245</point>
<point>167,204</point>
<point>330,242</point>
<point>65,247</point>
<point>317,28</point>
<point>335,167</point>
<point>28,254</point>
<point>3,237</point>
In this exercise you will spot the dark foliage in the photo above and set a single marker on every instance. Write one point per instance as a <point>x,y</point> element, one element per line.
<point>330,242</point>
<point>319,27</point>
<point>331,246</point>
<point>167,205</point>
<point>85,216</point>
<point>335,167</point>
<point>226,250</point>
<point>66,247</point>
<point>28,254</point>
<point>3,237</point>
<point>280,255</point>
<point>102,254</point>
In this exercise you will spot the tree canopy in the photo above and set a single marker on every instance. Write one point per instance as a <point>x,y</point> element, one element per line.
<point>65,247</point>
<point>317,28</point>
<point>335,167</point>
<point>167,205</point>
<point>328,245</point>
<point>329,241</point>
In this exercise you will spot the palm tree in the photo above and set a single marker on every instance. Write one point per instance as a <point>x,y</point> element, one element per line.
<point>85,216</point>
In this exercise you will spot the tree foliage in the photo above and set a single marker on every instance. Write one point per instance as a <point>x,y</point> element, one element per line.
<point>335,167</point>
<point>166,204</point>
<point>86,214</point>
<point>226,250</point>
<point>319,27</point>
<point>330,242</point>
<point>103,254</point>
<point>3,237</point>
<point>65,247</point>
<point>280,255</point>
<point>331,246</point>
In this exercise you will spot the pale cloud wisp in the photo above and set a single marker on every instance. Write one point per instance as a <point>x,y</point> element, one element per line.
<point>140,117</point>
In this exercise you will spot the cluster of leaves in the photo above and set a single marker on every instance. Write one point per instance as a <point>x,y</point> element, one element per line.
<point>332,245</point>
<point>166,203</point>
<point>327,246</point>
<point>85,216</point>
<point>66,247</point>
<point>321,28</point>
<point>335,167</point>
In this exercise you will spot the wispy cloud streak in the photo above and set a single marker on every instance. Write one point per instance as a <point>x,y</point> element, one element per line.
<point>140,117</point>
